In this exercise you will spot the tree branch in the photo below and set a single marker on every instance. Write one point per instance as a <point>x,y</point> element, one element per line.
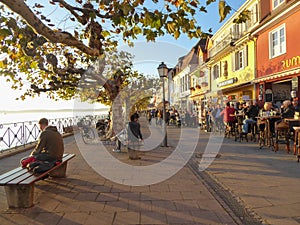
<point>32,20</point>
<point>85,11</point>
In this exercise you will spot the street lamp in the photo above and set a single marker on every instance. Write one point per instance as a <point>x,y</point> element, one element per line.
<point>163,71</point>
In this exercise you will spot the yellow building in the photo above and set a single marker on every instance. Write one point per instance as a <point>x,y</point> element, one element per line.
<point>232,58</point>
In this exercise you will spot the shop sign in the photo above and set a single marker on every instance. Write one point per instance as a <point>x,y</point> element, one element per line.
<point>227,82</point>
<point>288,63</point>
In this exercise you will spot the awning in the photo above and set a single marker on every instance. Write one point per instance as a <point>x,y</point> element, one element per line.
<point>234,87</point>
<point>271,77</point>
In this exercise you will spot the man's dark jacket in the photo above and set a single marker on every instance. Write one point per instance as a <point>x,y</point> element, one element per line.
<point>50,142</point>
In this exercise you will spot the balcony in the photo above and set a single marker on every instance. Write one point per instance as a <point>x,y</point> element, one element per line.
<point>227,41</point>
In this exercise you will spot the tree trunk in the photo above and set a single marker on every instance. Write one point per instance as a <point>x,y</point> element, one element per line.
<point>116,119</point>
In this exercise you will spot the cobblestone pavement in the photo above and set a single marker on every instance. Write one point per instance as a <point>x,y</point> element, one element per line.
<point>264,182</point>
<point>242,185</point>
<point>86,197</point>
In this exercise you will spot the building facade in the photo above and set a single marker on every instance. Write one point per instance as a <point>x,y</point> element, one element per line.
<point>278,55</point>
<point>232,58</point>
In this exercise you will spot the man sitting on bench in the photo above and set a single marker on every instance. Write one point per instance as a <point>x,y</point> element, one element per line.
<point>50,141</point>
<point>50,148</point>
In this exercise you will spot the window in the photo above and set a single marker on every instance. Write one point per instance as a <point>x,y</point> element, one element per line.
<point>236,31</point>
<point>216,71</point>
<point>277,42</point>
<point>240,59</point>
<point>277,3</point>
<point>254,14</point>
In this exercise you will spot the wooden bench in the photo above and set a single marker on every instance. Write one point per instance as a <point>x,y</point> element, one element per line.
<point>19,183</point>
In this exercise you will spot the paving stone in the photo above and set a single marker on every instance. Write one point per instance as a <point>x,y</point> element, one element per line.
<point>123,218</point>
<point>150,217</point>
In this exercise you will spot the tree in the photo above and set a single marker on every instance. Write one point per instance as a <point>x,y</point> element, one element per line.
<point>54,56</point>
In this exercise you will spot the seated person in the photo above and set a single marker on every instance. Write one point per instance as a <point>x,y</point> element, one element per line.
<point>296,105</point>
<point>251,114</point>
<point>287,111</point>
<point>50,143</point>
<point>48,151</point>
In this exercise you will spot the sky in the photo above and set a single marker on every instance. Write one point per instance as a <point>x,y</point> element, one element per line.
<point>148,56</point>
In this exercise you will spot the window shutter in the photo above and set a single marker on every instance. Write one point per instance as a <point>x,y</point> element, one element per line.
<point>220,69</point>
<point>233,61</point>
<point>246,56</point>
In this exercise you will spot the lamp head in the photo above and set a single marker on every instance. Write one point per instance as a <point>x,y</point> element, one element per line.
<point>162,70</point>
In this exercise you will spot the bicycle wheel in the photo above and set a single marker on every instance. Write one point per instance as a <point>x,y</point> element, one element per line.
<point>88,135</point>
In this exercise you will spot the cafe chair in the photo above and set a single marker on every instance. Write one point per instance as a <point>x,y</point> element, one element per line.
<point>297,142</point>
<point>282,130</point>
<point>253,130</point>
<point>239,135</point>
<point>262,134</point>
<point>230,129</point>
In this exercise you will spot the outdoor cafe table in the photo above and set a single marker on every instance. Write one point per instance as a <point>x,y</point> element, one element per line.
<point>268,134</point>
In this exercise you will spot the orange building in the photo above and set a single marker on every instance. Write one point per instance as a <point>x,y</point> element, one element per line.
<point>278,50</point>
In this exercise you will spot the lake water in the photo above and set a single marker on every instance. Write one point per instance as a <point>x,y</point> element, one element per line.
<point>13,117</point>
<point>16,127</point>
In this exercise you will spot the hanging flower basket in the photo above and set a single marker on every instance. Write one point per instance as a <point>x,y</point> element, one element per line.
<point>204,84</point>
<point>198,86</point>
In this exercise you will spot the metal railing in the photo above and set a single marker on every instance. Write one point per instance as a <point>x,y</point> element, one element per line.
<point>226,41</point>
<point>13,135</point>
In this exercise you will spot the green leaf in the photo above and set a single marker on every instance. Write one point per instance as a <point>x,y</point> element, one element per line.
<point>34,65</point>
<point>4,33</point>
<point>105,33</point>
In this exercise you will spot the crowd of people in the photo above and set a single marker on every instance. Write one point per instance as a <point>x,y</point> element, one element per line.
<point>173,117</point>
<point>218,118</point>
<point>50,145</point>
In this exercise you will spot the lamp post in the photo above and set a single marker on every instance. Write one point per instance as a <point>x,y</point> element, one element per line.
<point>163,71</point>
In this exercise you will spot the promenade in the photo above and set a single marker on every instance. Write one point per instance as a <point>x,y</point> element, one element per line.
<point>243,185</point>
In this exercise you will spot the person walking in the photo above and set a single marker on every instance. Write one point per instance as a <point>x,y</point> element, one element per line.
<point>149,117</point>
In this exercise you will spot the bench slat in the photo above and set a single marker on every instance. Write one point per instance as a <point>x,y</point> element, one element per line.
<point>23,176</point>
<point>34,178</point>
<point>10,173</point>
<point>12,176</point>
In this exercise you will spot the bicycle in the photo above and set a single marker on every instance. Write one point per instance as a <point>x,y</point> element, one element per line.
<point>87,134</point>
